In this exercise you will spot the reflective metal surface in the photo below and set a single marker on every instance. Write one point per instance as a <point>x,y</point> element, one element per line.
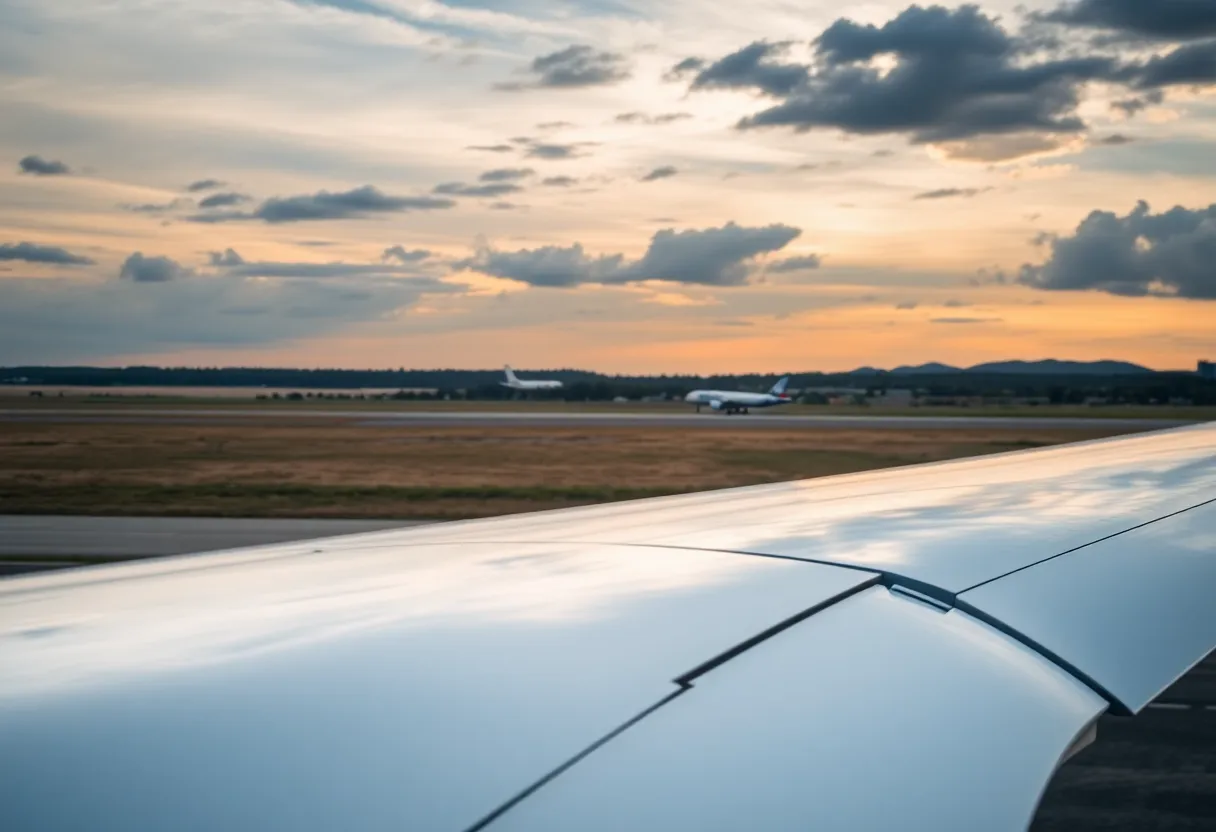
<point>950,525</point>
<point>288,687</point>
<point>878,713</point>
<point>1133,613</point>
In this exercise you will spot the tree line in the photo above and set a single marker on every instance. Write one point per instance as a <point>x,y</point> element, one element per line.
<point>581,385</point>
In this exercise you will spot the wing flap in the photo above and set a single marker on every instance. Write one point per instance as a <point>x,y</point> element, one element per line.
<point>1130,614</point>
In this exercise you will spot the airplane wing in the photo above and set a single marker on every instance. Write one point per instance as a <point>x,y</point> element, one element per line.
<point>917,648</point>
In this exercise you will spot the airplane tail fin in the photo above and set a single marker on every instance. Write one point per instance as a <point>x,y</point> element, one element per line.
<point>510,375</point>
<point>779,387</point>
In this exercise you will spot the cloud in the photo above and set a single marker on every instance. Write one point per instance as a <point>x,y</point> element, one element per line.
<point>754,66</point>
<point>492,148</point>
<point>645,118</point>
<point>1115,140</point>
<point>504,206</point>
<point>795,264</point>
<point>224,200</point>
<point>323,205</point>
<point>933,74</point>
<point>140,269</point>
<point>59,320</point>
<point>227,257</point>
<point>402,255</point>
<point>554,125</point>
<point>907,305</point>
<point>1131,106</point>
<point>1167,255</point>
<point>1193,64</point>
<point>709,257</point>
<point>559,181</point>
<point>154,207</point>
<point>34,253</point>
<point>232,263</point>
<point>548,266</point>
<point>489,189</point>
<point>684,68</point>
<point>964,320</point>
<point>550,150</point>
<point>506,175</point>
<point>573,67</point>
<point>205,185</point>
<point>660,173</point>
<point>35,165</point>
<point>949,193</point>
<point>1166,19</point>
<point>955,304</point>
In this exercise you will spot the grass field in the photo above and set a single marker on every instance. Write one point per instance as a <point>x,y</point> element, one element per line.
<point>327,469</point>
<point>1197,414</point>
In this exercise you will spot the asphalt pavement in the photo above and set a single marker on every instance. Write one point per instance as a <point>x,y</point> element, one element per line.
<point>29,543</point>
<point>539,418</point>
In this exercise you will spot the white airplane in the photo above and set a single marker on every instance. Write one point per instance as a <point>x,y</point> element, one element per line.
<point>916,649</point>
<point>516,383</point>
<point>735,401</point>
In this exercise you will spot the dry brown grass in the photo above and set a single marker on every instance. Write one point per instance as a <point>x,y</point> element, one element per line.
<point>333,469</point>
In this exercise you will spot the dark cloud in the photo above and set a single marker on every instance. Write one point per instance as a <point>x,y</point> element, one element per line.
<point>795,264</point>
<point>489,189</point>
<point>1167,19</point>
<point>506,175</point>
<point>660,173</point>
<point>549,150</point>
<point>140,269</point>
<point>684,68</point>
<point>227,257</point>
<point>34,253</point>
<point>37,166</point>
<point>403,255</point>
<point>559,181</point>
<point>710,257</point>
<point>575,66</point>
<point>554,125</point>
<point>154,207</point>
<point>1131,106</point>
<point>205,185</point>
<point>224,200</point>
<point>1115,140</point>
<point>1169,254</point>
<point>955,76</point>
<point>492,148</point>
<point>504,206</point>
<point>956,304</point>
<point>949,193</point>
<point>323,205</point>
<point>754,67</point>
<point>646,118</point>
<point>1191,65</point>
<point>907,305</point>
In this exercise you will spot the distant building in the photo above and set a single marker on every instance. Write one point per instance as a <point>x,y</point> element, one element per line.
<point>1207,369</point>
<point>894,398</point>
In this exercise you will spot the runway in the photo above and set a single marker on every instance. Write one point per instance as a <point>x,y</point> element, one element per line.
<point>31,543</point>
<point>599,419</point>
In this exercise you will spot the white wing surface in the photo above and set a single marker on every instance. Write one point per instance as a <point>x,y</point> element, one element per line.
<point>915,648</point>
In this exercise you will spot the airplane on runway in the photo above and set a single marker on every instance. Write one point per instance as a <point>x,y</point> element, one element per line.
<point>736,401</point>
<point>516,383</point>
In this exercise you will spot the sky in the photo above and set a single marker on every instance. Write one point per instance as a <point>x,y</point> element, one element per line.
<point>612,185</point>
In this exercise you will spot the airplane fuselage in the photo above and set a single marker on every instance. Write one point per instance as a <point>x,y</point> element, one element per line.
<point>734,401</point>
<point>532,385</point>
